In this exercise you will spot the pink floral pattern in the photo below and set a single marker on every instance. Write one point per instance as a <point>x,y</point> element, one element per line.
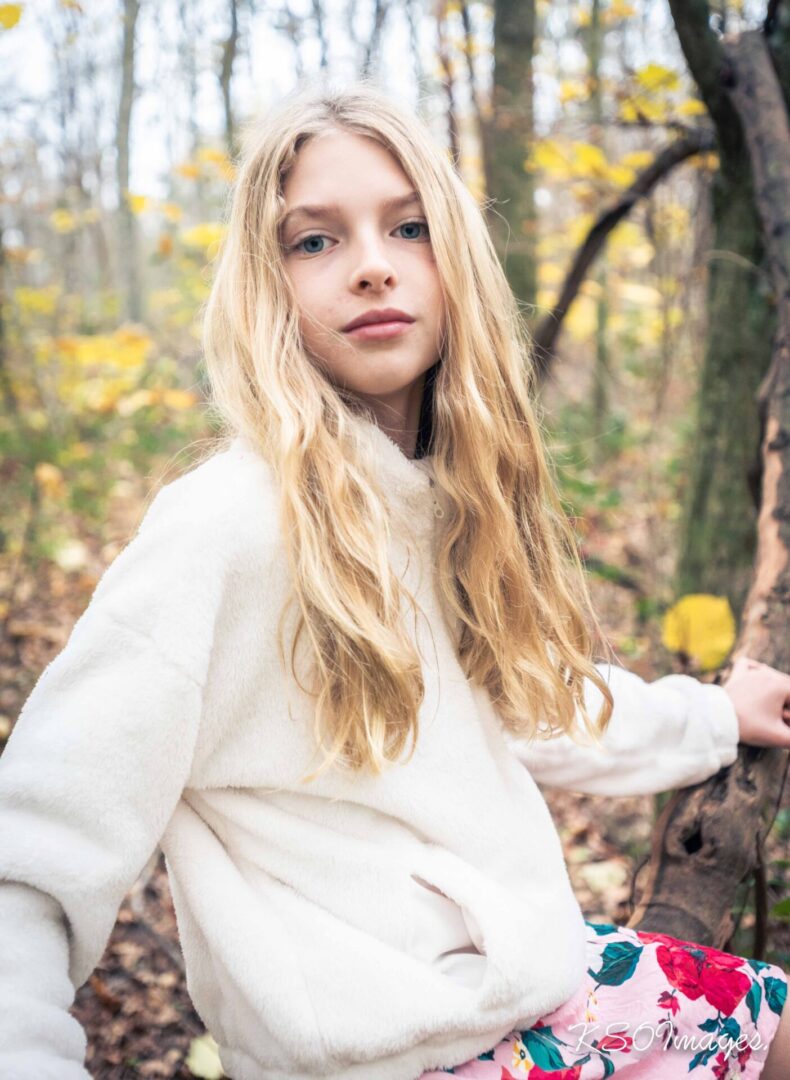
<point>652,1007</point>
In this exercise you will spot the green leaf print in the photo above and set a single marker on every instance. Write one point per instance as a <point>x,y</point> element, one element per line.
<point>619,962</point>
<point>731,1028</point>
<point>541,1047</point>
<point>775,993</point>
<point>703,1056</point>
<point>602,928</point>
<point>754,999</point>
<point>608,1066</point>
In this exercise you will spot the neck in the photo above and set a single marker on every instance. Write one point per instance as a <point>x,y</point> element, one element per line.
<point>398,414</point>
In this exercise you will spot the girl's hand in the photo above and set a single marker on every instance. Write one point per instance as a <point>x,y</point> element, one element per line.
<point>761,696</point>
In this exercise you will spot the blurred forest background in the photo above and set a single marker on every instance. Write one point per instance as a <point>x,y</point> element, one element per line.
<point>618,190</point>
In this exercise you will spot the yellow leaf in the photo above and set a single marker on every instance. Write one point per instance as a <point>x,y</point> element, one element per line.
<point>643,107</point>
<point>582,318</point>
<point>203,1059</point>
<point>578,228</point>
<point>172,211</point>
<point>692,107</point>
<point>208,235</point>
<point>657,77</point>
<point>211,156</point>
<point>621,176</point>
<point>63,221</point>
<point>50,479</point>
<point>701,626</point>
<point>80,451</point>
<point>590,158</point>
<point>131,347</point>
<point>10,14</point>
<point>549,156</point>
<point>637,159</point>
<point>137,203</point>
<point>188,170</point>
<point>550,273</point>
<point>573,90</point>
<point>178,399</point>
<point>708,162</point>
<point>37,301</point>
<point>618,10</point>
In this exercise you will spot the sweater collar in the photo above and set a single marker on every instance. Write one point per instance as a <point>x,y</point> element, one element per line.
<point>407,484</point>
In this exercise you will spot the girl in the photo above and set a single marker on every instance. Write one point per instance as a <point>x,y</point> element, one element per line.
<point>323,673</point>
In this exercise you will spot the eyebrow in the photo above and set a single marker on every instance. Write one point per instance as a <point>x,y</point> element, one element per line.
<point>397,203</point>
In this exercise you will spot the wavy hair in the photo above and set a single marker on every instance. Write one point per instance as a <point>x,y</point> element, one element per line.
<point>508,565</point>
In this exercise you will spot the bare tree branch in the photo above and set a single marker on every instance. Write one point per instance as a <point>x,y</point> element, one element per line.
<point>547,331</point>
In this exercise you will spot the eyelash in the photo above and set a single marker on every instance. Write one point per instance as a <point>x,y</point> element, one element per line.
<point>312,236</point>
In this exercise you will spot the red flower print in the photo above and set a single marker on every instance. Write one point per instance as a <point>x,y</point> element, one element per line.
<point>669,1001</point>
<point>715,956</point>
<point>622,1043</point>
<point>698,971</point>
<point>721,1067</point>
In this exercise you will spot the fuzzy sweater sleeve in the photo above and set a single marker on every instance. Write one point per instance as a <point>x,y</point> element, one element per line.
<point>92,773</point>
<point>669,733</point>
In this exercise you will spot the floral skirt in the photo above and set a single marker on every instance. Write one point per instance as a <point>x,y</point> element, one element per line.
<point>651,1007</point>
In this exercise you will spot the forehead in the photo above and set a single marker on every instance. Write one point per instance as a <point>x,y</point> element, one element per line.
<point>343,165</point>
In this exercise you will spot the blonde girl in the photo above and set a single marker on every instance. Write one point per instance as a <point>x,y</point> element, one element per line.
<point>329,671</point>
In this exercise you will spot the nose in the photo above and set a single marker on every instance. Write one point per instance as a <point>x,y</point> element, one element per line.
<point>372,269</point>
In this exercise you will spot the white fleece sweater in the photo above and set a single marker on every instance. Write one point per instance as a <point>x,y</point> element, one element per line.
<point>309,947</point>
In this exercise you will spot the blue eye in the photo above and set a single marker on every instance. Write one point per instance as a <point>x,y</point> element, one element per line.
<point>308,240</point>
<point>414,225</point>
<point>319,238</point>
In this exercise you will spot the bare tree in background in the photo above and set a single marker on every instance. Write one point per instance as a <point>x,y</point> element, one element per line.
<point>127,222</point>
<point>229,47</point>
<point>507,138</point>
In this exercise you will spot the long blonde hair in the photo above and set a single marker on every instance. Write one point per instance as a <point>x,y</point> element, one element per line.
<point>508,565</point>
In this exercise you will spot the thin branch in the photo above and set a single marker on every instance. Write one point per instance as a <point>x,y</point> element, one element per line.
<point>547,331</point>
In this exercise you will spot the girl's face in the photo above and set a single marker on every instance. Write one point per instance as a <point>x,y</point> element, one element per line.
<point>355,241</point>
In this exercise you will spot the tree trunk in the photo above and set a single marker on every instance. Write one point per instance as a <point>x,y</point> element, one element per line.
<point>713,833</point>
<point>448,85</point>
<point>128,223</point>
<point>229,46</point>
<point>507,143</point>
<point>601,374</point>
<point>716,550</point>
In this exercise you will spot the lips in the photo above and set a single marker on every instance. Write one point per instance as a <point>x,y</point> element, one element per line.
<point>381,315</point>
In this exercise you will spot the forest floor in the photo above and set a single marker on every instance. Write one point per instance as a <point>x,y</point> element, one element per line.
<point>135,1007</point>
